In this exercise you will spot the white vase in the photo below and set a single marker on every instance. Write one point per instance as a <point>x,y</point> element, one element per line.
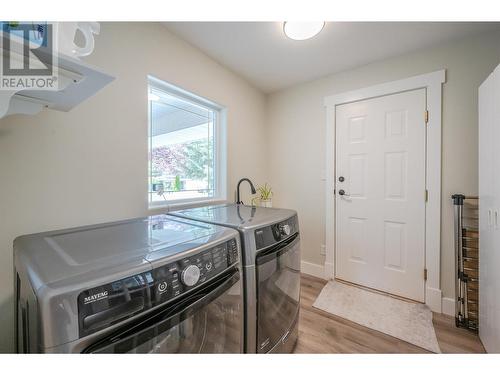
<point>266,203</point>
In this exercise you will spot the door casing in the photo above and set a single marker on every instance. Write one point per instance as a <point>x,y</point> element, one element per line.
<point>432,82</point>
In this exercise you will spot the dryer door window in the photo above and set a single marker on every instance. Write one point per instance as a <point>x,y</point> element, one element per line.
<point>208,321</point>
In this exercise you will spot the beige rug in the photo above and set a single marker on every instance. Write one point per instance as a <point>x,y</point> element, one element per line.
<point>408,321</point>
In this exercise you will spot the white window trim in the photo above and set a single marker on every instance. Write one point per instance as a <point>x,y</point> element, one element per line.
<point>220,146</point>
<point>432,82</point>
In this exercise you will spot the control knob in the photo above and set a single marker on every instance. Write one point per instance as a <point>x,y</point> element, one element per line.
<point>190,275</point>
<point>285,229</point>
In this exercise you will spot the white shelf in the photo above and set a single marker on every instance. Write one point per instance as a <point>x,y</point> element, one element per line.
<point>77,82</point>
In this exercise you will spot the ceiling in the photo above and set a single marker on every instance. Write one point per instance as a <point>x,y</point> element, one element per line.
<point>260,52</point>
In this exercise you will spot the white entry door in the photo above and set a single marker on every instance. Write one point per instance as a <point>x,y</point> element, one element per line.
<point>380,193</point>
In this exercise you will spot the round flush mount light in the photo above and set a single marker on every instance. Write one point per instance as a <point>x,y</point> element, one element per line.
<point>302,30</point>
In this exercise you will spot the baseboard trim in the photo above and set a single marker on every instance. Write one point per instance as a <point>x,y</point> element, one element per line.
<point>433,299</point>
<point>313,269</point>
<point>328,271</point>
<point>448,306</point>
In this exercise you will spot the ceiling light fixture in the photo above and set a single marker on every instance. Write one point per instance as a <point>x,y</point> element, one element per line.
<point>302,30</point>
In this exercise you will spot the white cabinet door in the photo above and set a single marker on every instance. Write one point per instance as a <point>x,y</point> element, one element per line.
<point>380,220</point>
<point>486,207</point>
<point>489,222</point>
<point>495,246</point>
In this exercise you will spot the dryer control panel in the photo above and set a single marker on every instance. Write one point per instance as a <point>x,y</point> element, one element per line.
<point>108,304</point>
<point>272,234</point>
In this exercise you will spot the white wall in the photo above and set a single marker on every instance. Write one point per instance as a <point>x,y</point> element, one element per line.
<point>90,165</point>
<point>297,123</point>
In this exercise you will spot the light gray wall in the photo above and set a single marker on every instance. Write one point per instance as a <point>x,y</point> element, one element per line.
<point>90,165</point>
<point>297,122</point>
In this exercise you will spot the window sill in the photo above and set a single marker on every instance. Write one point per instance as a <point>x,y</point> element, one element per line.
<point>163,208</point>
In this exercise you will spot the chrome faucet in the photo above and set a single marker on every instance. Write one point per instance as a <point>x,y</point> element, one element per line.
<point>238,200</point>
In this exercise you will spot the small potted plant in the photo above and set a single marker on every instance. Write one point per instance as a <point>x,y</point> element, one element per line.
<point>265,196</point>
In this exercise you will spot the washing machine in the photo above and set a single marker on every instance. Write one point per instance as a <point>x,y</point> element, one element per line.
<point>271,269</point>
<point>151,285</point>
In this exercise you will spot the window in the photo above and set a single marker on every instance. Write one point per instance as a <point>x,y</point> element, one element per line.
<point>186,146</point>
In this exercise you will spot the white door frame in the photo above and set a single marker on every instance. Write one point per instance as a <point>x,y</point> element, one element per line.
<point>432,82</point>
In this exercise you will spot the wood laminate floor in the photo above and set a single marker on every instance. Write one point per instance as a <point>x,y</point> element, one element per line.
<point>321,332</point>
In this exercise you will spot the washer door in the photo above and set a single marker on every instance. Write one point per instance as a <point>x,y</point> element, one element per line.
<point>208,321</point>
<point>278,292</point>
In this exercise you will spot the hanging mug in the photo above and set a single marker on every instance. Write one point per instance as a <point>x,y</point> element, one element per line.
<point>66,33</point>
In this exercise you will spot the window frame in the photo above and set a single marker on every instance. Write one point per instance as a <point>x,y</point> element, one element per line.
<point>220,147</point>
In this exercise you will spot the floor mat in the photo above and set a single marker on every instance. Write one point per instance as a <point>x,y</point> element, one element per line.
<point>407,321</point>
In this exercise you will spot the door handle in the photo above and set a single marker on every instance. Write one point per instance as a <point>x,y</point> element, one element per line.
<point>495,214</point>
<point>490,219</point>
<point>344,195</point>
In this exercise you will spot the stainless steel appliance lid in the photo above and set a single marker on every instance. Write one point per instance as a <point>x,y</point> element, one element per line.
<point>236,215</point>
<point>112,247</point>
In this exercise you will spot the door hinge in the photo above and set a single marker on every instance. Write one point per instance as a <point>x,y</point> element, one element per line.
<point>426,195</point>
<point>425,273</point>
<point>426,116</point>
